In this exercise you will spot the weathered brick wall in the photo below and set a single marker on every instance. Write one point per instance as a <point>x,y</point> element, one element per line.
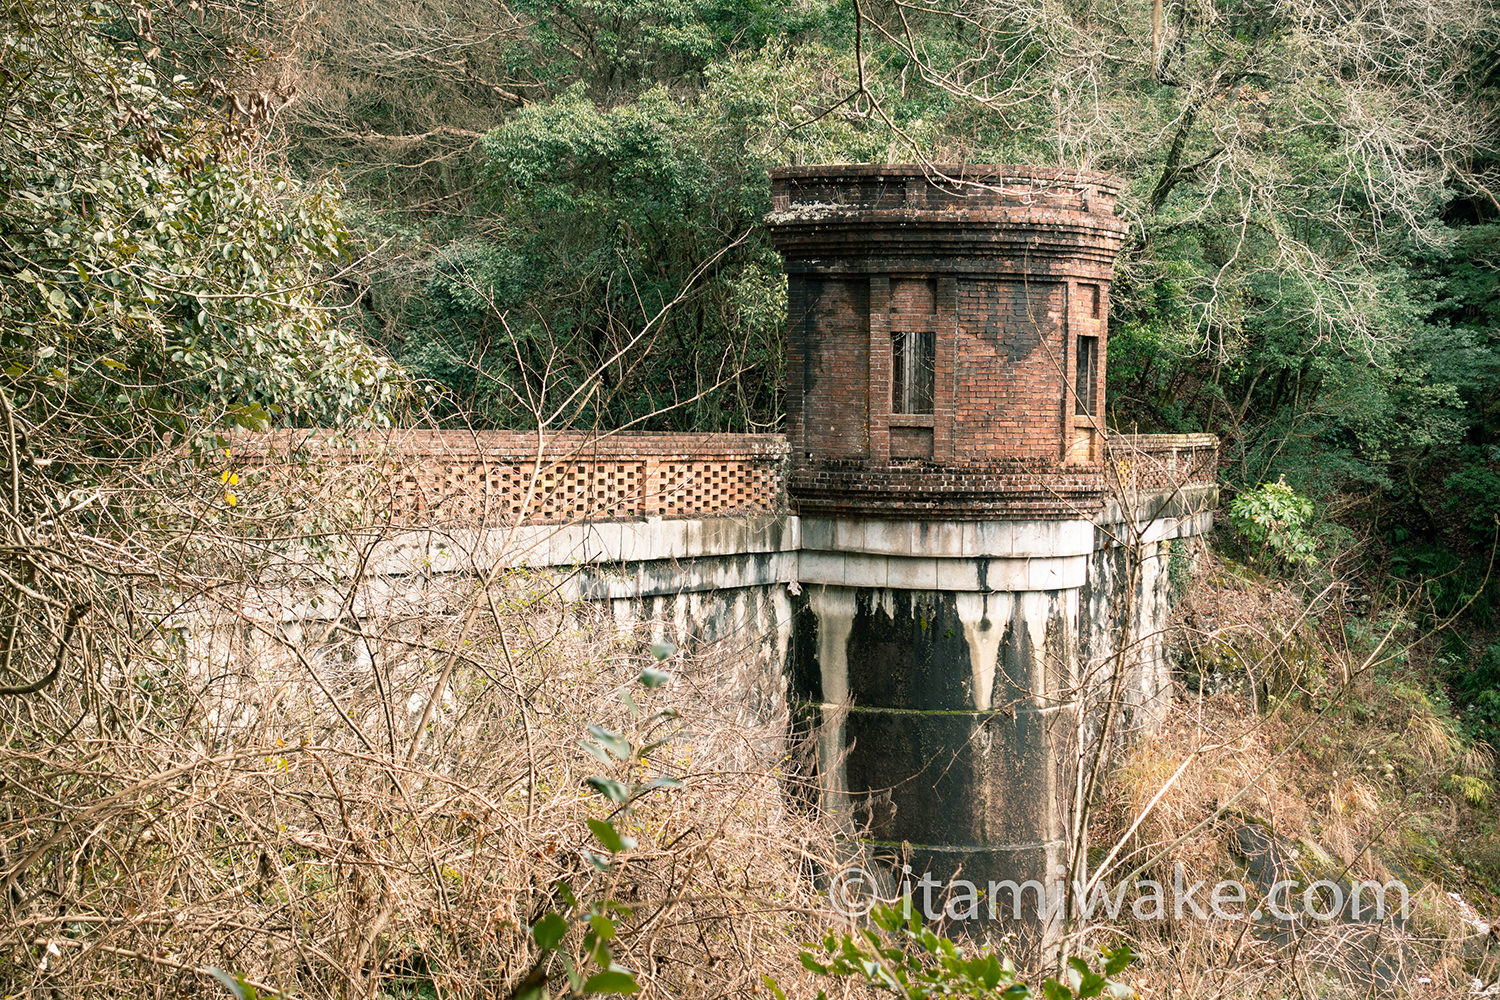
<point>1009,388</point>
<point>1007,267</point>
<point>830,351</point>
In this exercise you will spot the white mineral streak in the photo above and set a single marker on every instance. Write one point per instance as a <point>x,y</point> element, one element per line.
<point>834,609</point>
<point>1031,613</point>
<point>984,617</point>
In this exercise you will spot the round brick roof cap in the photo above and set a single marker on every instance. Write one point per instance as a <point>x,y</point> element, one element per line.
<point>944,174</point>
<point>953,212</point>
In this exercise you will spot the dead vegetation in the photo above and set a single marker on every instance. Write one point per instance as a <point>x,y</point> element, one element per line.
<point>269,759</point>
<point>1305,753</point>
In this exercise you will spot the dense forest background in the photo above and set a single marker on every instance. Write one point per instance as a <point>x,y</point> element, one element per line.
<point>510,199</point>
<point>536,191</point>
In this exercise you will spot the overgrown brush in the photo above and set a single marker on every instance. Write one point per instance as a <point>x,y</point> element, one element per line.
<point>1342,770</point>
<point>276,754</point>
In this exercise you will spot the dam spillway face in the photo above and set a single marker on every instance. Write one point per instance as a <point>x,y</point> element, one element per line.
<point>946,344</point>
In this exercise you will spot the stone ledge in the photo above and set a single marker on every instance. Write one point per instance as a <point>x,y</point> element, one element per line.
<point>947,539</point>
<point>540,546</point>
<point>979,575</point>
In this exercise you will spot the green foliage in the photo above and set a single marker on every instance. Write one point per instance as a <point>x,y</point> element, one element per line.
<point>615,256</point>
<point>236,985</point>
<point>1275,519</point>
<point>1473,491</point>
<point>624,44</point>
<point>595,921</point>
<point>899,955</point>
<point>596,924</point>
<point>153,276</point>
<point>1477,691</point>
<point>615,234</point>
<point>618,231</point>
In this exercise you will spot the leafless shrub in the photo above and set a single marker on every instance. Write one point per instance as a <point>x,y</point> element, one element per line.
<point>263,749</point>
<point>1248,781</point>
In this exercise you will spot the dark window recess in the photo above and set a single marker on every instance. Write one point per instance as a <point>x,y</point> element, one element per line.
<point>913,367</point>
<point>1091,296</point>
<point>1087,375</point>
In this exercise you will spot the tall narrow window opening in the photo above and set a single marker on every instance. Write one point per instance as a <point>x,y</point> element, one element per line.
<point>913,369</point>
<point>1086,375</point>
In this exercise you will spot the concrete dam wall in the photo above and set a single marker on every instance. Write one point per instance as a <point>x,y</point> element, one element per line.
<point>949,667</point>
<point>949,567</point>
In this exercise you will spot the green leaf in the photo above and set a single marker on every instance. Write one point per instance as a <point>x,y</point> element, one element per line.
<point>1074,975</point>
<point>662,650</point>
<point>611,980</point>
<point>771,985</point>
<point>653,745</point>
<point>611,838</point>
<point>812,964</point>
<point>549,931</point>
<point>596,750</point>
<point>603,926</point>
<point>611,741</point>
<point>1118,960</point>
<point>655,678</point>
<point>234,984</point>
<point>663,782</point>
<point>574,979</point>
<point>610,789</point>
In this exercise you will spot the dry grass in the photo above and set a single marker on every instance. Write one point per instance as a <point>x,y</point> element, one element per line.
<point>1365,780</point>
<point>239,769</point>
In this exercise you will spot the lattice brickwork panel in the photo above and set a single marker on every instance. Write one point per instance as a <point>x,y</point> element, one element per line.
<point>707,487</point>
<point>442,478</point>
<point>1146,462</point>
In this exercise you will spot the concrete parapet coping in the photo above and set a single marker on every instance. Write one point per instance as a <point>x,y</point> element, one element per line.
<point>557,446</point>
<point>1153,511</point>
<point>948,539</point>
<point>984,574</point>
<point>591,543</point>
<point>1157,442</point>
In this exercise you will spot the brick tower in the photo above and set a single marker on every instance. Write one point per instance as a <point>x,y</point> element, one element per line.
<point>946,337</point>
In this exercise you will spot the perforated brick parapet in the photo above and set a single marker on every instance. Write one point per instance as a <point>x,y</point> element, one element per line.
<point>450,478</point>
<point>1000,276</point>
<point>1143,463</point>
<point>447,478</point>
